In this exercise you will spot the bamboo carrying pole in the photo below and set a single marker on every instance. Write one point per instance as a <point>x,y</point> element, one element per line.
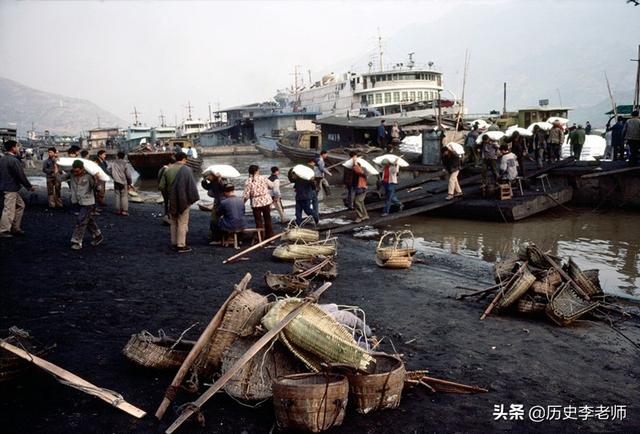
<point>500,293</point>
<point>73,380</point>
<point>450,385</point>
<point>262,342</point>
<point>314,268</point>
<point>565,275</point>
<point>252,248</point>
<point>197,348</point>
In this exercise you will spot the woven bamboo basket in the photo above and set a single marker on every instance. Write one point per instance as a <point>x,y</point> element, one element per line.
<point>327,272</point>
<point>236,318</point>
<point>567,306</point>
<point>395,262</point>
<point>254,380</point>
<point>402,245</point>
<point>584,281</point>
<point>380,389</point>
<point>12,366</point>
<point>517,288</point>
<point>316,332</point>
<point>310,402</point>
<point>543,288</point>
<point>286,283</point>
<point>529,306</point>
<point>299,234</point>
<point>158,352</point>
<point>291,252</point>
<point>503,270</point>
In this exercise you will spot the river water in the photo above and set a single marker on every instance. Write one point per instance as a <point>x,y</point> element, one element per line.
<point>608,240</point>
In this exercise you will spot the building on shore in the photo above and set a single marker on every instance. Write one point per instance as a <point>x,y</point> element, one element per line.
<point>530,115</point>
<point>102,137</point>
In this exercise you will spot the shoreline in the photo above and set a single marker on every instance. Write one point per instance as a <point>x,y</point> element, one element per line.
<point>90,302</point>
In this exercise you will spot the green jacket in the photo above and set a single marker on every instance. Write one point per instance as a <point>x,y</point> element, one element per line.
<point>577,137</point>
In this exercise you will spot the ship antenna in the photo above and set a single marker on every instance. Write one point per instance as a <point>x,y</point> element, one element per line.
<point>162,124</point>
<point>135,117</point>
<point>381,50</point>
<point>189,107</point>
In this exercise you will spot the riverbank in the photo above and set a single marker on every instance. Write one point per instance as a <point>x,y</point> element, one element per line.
<point>90,302</point>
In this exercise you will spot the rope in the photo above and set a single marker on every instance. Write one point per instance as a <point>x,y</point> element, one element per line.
<point>93,390</point>
<point>183,333</point>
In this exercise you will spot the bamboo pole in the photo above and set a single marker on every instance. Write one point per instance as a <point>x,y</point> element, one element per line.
<point>462,388</point>
<point>500,293</point>
<point>314,268</point>
<point>464,84</point>
<point>73,380</point>
<point>613,103</point>
<point>565,275</point>
<point>252,248</point>
<point>262,342</point>
<point>197,348</point>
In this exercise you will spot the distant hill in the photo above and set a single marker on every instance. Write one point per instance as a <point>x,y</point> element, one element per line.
<point>21,106</point>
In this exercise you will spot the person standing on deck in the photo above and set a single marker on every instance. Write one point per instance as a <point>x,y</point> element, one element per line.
<point>451,162</point>
<point>12,178</point>
<point>361,191</point>
<point>519,148</point>
<point>576,140</point>
<point>101,186</point>
<point>489,154</point>
<point>178,181</point>
<point>617,138</point>
<point>556,140</point>
<point>383,135</point>
<point>214,184</point>
<point>82,187</point>
<point>319,172</point>
<point>275,193</point>
<point>119,171</point>
<point>470,145</point>
<point>395,136</point>
<point>587,128</point>
<point>256,189</point>
<point>50,169</point>
<point>508,164</point>
<point>539,141</point>
<point>390,182</point>
<point>632,137</point>
<point>304,194</point>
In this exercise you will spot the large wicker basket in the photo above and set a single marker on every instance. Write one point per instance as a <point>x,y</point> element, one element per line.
<point>254,380</point>
<point>299,234</point>
<point>517,288</point>
<point>310,402</point>
<point>158,352</point>
<point>586,281</point>
<point>236,318</point>
<point>316,332</point>
<point>12,366</point>
<point>291,252</point>
<point>403,245</point>
<point>504,269</point>
<point>567,306</point>
<point>380,389</point>
<point>328,272</point>
<point>529,306</point>
<point>286,283</point>
<point>395,262</point>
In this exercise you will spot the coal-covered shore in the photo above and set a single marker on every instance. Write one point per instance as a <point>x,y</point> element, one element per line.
<point>90,302</point>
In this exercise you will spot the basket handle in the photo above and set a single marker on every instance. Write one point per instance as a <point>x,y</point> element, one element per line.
<point>386,234</point>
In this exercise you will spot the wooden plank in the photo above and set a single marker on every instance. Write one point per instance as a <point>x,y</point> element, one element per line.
<point>73,380</point>
<point>197,348</point>
<point>610,172</point>
<point>262,342</point>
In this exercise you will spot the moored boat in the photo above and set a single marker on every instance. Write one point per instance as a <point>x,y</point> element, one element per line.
<point>148,164</point>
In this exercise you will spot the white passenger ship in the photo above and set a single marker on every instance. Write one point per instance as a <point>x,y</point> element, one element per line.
<point>400,90</point>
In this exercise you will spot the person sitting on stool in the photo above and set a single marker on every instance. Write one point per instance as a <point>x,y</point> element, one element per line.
<point>230,215</point>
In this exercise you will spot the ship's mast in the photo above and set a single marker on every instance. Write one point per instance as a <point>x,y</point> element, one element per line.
<point>162,124</point>
<point>189,107</point>
<point>381,50</point>
<point>135,117</point>
<point>295,87</point>
<point>209,112</point>
<point>636,95</point>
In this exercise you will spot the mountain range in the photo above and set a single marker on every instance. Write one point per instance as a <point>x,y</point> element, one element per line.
<point>26,108</point>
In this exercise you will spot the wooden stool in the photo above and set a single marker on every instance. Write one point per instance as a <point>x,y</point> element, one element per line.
<point>542,179</point>
<point>519,179</point>
<point>505,192</point>
<point>257,234</point>
<point>227,237</point>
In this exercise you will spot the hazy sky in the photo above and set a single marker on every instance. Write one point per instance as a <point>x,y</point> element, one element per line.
<point>158,55</point>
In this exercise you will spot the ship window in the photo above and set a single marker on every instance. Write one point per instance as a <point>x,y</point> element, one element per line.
<point>370,98</point>
<point>358,80</point>
<point>404,96</point>
<point>387,97</point>
<point>335,137</point>
<point>412,96</point>
<point>396,96</point>
<point>419,95</point>
<point>378,98</point>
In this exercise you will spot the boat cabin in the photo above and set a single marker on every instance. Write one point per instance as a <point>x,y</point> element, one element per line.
<point>530,115</point>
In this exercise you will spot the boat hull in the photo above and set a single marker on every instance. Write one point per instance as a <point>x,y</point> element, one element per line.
<point>148,164</point>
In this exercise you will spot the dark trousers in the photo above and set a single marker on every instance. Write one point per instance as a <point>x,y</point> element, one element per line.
<point>351,192</point>
<point>521,170</point>
<point>554,150</point>
<point>85,220</point>
<point>101,190</point>
<point>576,150</point>
<point>262,216</point>
<point>634,148</point>
<point>305,205</point>
<point>489,164</point>
<point>618,151</point>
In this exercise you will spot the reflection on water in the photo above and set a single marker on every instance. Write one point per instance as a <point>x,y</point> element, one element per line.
<point>607,241</point>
